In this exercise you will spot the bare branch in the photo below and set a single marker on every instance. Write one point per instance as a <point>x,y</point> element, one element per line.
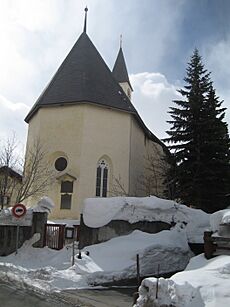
<point>34,177</point>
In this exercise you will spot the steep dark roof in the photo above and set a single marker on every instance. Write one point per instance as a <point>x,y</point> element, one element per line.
<point>83,77</point>
<point>120,72</point>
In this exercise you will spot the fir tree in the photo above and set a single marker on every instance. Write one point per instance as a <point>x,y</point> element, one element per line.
<point>200,142</point>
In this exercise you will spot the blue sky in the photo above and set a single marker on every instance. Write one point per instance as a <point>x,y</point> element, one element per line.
<point>158,40</point>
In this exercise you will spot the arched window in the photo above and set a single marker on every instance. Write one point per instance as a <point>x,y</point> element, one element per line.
<point>102,178</point>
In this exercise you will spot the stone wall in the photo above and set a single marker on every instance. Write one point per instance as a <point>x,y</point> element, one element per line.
<point>89,236</point>
<point>8,234</point>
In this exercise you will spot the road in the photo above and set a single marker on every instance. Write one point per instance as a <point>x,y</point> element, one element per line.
<point>101,298</point>
<point>12,297</point>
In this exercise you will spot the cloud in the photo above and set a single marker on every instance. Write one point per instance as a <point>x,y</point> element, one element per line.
<point>35,15</point>
<point>12,115</point>
<point>152,97</point>
<point>218,62</point>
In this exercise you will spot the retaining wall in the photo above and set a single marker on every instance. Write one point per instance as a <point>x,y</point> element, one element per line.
<point>89,236</point>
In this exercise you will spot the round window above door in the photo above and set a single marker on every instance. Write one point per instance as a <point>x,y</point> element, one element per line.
<point>60,164</point>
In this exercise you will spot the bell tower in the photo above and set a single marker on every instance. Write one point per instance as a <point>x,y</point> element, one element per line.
<point>120,72</point>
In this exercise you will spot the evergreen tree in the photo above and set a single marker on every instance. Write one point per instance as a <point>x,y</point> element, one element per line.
<point>200,142</point>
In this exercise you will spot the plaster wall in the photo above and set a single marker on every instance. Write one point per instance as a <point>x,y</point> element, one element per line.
<point>146,164</point>
<point>83,134</point>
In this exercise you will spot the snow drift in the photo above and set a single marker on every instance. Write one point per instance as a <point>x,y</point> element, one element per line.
<point>98,212</point>
<point>203,283</point>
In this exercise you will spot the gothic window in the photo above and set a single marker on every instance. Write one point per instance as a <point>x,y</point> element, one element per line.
<point>102,178</point>
<point>66,194</point>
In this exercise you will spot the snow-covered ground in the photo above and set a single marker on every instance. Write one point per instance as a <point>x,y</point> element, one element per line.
<point>203,283</point>
<point>98,212</point>
<point>50,270</point>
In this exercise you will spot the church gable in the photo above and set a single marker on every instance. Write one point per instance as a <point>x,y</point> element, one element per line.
<point>83,77</point>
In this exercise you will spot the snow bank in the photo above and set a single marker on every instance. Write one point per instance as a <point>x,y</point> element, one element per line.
<point>98,212</point>
<point>203,283</point>
<point>117,257</point>
<point>219,217</point>
<point>51,270</point>
<point>166,292</point>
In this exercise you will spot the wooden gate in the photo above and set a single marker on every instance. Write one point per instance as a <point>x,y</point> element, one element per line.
<point>54,236</point>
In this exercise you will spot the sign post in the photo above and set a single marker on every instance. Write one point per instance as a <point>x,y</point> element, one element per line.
<point>18,211</point>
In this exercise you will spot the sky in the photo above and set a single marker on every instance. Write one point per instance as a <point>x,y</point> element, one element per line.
<point>159,38</point>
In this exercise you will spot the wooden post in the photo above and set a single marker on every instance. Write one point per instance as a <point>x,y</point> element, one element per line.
<point>45,234</point>
<point>17,238</point>
<point>61,238</point>
<point>136,294</point>
<point>157,285</point>
<point>209,246</point>
<point>73,254</point>
<point>138,271</point>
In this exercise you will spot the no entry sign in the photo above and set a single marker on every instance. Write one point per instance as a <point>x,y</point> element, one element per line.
<point>18,210</point>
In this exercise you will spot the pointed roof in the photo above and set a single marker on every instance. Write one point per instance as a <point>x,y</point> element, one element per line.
<point>83,77</point>
<point>120,72</point>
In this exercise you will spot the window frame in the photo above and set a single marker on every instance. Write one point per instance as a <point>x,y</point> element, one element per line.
<point>102,178</point>
<point>66,190</point>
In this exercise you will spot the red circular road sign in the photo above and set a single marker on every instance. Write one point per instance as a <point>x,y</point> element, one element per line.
<point>18,210</point>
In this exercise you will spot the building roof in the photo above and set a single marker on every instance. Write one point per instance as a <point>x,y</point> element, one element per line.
<point>120,72</point>
<point>83,77</point>
<point>12,173</point>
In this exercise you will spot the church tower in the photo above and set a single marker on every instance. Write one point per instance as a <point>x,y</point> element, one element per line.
<point>91,131</point>
<point>120,73</point>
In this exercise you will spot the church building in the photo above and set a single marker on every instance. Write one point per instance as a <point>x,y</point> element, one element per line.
<point>97,144</point>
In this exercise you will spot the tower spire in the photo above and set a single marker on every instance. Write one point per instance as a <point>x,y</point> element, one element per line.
<point>85,23</point>
<point>121,41</point>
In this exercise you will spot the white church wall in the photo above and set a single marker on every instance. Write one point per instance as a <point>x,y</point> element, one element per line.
<point>137,154</point>
<point>147,166</point>
<point>106,135</point>
<point>82,134</point>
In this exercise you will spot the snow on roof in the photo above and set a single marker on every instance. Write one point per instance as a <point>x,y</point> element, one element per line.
<point>45,204</point>
<point>98,212</point>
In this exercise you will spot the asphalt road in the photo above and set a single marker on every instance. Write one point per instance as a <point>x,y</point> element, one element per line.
<point>12,297</point>
<point>100,298</point>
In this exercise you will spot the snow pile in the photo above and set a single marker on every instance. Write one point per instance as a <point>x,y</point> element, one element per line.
<point>98,212</point>
<point>218,218</point>
<point>165,292</point>
<point>117,257</point>
<point>203,283</point>
<point>45,204</point>
<point>51,270</point>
